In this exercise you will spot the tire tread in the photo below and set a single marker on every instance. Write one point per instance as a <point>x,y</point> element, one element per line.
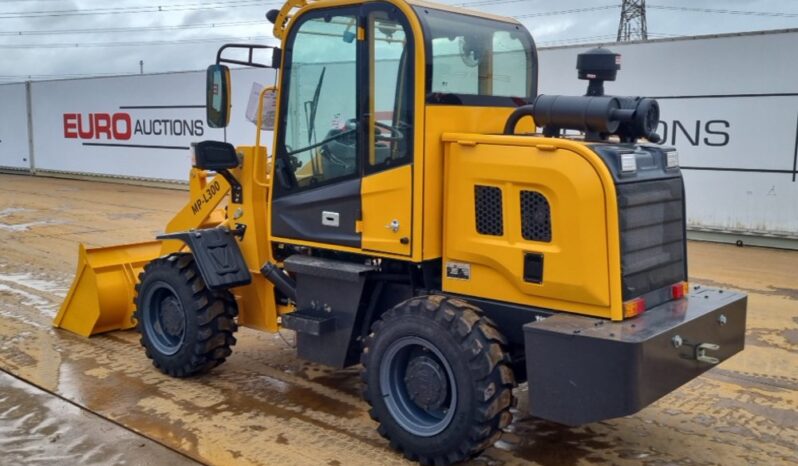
<point>215,313</point>
<point>489,363</point>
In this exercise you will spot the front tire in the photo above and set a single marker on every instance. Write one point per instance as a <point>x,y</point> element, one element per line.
<point>186,328</point>
<point>438,378</point>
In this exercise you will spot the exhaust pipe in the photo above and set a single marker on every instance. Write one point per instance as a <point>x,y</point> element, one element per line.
<point>280,280</point>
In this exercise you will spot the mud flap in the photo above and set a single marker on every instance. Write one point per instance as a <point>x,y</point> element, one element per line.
<point>217,255</point>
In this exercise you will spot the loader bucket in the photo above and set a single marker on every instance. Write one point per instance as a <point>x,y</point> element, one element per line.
<point>101,296</point>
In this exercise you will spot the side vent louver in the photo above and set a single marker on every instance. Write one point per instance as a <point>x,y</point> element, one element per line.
<point>488,206</point>
<point>535,217</point>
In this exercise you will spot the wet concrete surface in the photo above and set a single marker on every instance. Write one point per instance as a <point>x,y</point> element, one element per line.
<point>265,406</point>
<point>37,427</point>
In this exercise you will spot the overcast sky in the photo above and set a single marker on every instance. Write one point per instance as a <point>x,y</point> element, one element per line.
<point>47,39</point>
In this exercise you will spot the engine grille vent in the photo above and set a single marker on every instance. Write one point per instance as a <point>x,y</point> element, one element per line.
<point>652,235</point>
<point>488,206</point>
<point>535,216</point>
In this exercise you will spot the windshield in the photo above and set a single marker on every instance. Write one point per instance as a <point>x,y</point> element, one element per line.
<point>477,60</point>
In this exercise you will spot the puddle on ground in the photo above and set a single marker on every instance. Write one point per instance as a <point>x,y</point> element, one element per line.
<point>36,427</point>
<point>30,291</point>
<point>28,280</point>
<point>18,227</point>
<point>11,210</point>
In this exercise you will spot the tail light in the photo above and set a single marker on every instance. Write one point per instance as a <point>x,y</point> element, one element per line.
<point>633,307</point>
<point>680,290</point>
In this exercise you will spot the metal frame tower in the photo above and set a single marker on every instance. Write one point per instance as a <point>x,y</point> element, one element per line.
<point>632,25</point>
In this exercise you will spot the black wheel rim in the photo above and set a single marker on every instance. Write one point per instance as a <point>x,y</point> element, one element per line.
<point>418,386</point>
<point>164,319</point>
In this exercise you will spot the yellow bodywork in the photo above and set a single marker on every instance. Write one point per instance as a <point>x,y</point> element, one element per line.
<point>583,254</point>
<point>386,198</point>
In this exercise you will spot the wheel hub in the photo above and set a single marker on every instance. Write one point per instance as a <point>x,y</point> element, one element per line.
<point>418,386</point>
<point>172,317</point>
<point>426,382</point>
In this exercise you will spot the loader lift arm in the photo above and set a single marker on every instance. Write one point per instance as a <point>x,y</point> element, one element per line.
<point>101,296</point>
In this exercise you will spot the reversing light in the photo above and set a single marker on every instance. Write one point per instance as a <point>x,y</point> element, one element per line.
<point>628,163</point>
<point>633,307</point>
<point>680,290</point>
<point>672,159</point>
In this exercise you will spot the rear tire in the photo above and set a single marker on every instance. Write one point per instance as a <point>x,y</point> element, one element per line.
<point>186,328</point>
<point>438,378</point>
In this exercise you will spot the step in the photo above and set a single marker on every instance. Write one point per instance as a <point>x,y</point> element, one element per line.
<point>310,324</point>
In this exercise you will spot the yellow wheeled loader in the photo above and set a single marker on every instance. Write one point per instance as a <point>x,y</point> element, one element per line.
<point>410,218</point>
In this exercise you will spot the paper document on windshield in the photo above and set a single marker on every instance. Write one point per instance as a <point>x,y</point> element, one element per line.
<point>269,107</point>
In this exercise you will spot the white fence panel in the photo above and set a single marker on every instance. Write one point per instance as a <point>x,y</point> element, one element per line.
<point>14,127</point>
<point>730,105</point>
<point>132,126</point>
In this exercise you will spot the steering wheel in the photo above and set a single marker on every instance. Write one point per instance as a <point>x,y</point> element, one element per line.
<point>349,130</point>
<point>346,132</point>
<point>395,136</point>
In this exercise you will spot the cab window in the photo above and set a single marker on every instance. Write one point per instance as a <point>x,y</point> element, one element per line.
<point>473,60</point>
<point>320,140</point>
<point>390,111</point>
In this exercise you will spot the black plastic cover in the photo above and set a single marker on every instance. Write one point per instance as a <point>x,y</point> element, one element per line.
<point>329,294</point>
<point>651,161</point>
<point>598,63</point>
<point>533,267</point>
<point>217,255</point>
<point>299,215</point>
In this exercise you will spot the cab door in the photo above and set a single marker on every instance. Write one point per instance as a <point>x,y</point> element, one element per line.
<point>343,173</point>
<point>320,137</point>
<point>387,185</point>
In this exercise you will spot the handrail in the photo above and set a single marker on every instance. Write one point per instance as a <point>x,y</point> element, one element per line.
<point>251,48</point>
<point>281,21</point>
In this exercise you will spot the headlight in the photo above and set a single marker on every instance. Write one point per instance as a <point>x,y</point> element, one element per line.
<point>628,163</point>
<point>672,159</point>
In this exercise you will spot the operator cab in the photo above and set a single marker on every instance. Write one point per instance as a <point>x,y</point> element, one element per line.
<point>347,87</point>
<point>366,92</point>
<point>355,87</point>
<point>349,100</point>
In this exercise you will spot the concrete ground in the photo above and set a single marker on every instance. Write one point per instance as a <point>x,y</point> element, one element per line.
<point>37,427</point>
<point>100,399</point>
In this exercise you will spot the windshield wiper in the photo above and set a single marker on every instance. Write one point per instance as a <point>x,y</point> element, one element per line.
<point>314,105</point>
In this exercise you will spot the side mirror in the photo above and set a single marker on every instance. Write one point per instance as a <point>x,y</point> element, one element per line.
<point>217,91</point>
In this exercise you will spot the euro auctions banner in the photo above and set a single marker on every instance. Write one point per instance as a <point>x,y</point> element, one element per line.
<point>14,142</point>
<point>133,126</point>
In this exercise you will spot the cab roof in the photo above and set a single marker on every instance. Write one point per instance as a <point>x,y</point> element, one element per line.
<point>463,11</point>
